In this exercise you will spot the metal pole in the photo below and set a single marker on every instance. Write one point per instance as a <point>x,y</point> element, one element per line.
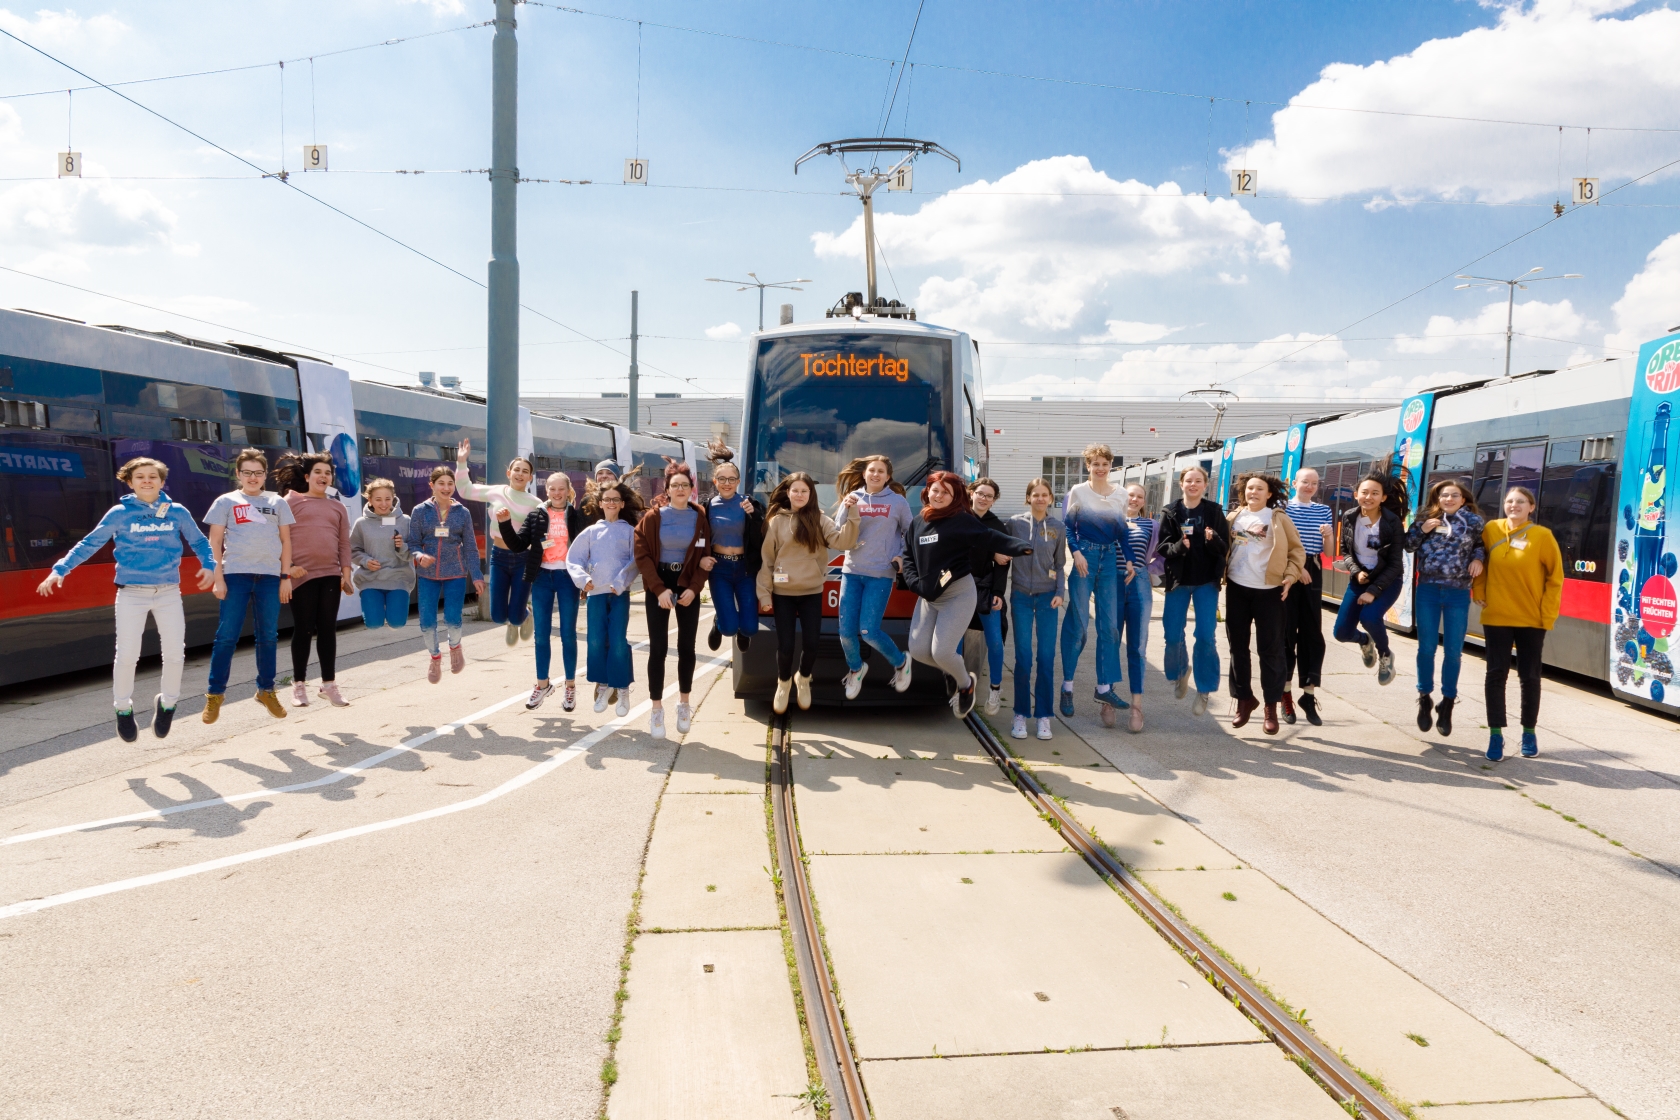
<point>635,372</point>
<point>1510,303</point>
<point>502,420</point>
<point>761,307</point>
<point>869,241</point>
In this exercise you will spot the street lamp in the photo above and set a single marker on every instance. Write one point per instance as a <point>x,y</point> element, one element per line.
<point>755,282</point>
<point>1511,287</point>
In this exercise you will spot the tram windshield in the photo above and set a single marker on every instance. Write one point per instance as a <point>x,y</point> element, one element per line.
<point>820,401</point>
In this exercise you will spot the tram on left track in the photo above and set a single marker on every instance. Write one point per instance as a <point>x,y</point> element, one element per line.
<point>78,400</point>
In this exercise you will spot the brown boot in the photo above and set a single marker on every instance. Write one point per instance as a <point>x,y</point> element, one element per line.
<point>1245,708</point>
<point>1270,726</point>
<point>212,705</point>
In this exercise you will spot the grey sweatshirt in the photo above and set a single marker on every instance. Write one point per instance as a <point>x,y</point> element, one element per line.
<point>882,520</point>
<point>370,539</point>
<point>1042,571</point>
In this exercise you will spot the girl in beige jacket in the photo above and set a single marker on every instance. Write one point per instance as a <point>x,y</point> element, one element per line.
<point>1265,560</point>
<point>798,539</point>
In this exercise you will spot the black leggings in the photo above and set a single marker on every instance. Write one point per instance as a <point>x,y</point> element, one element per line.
<point>659,637</point>
<point>1528,641</point>
<point>315,615</point>
<point>806,610</point>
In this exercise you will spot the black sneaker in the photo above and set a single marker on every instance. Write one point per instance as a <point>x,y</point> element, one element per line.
<point>963,702</point>
<point>1425,707</point>
<point>162,717</point>
<point>1308,703</point>
<point>126,726</point>
<point>1443,715</point>
<point>743,641</point>
<point>715,638</point>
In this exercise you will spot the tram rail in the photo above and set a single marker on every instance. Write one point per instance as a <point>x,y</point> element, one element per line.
<point>837,1063</point>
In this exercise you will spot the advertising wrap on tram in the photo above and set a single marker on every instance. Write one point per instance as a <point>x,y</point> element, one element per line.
<point>1641,665</point>
<point>1411,446</point>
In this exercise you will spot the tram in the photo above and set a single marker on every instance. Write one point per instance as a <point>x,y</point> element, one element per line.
<point>868,379</point>
<point>77,400</point>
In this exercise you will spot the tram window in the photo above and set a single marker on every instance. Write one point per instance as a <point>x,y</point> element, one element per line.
<point>53,489</point>
<point>968,416</point>
<point>1454,462</point>
<point>199,473</point>
<point>1577,504</point>
<point>139,425</point>
<point>64,418</point>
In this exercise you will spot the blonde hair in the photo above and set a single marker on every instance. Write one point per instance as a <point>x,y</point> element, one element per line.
<point>378,484</point>
<point>1097,451</point>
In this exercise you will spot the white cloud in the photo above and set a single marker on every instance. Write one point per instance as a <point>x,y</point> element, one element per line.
<point>724,332</point>
<point>1120,330</point>
<point>1563,61</point>
<point>1650,303</point>
<point>442,7</point>
<point>1486,329</point>
<point>1038,248</point>
<point>64,28</point>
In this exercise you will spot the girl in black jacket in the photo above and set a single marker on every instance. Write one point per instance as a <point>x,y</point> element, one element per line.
<point>991,585</point>
<point>1194,539</point>
<point>938,565</point>
<point>1373,546</point>
<point>544,538</point>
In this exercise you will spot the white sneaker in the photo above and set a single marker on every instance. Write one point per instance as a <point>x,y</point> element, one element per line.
<point>994,697</point>
<point>538,694</point>
<point>1181,685</point>
<point>656,723</point>
<point>685,718</point>
<point>1018,730</point>
<point>602,697</point>
<point>854,682</point>
<point>526,627</point>
<point>1044,727</point>
<point>512,634</point>
<point>802,685</point>
<point>1199,706</point>
<point>623,708</point>
<point>901,676</point>
<point>784,689</point>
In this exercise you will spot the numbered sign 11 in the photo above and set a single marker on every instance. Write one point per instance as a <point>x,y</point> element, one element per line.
<point>902,180</point>
<point>314,157</point>
<point>69,165</point>
<point>636,171</point>
<point>1586,190</point>
<point>1245,182</point>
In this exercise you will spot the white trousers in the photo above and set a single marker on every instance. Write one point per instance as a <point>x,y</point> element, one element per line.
<point>163,603</point>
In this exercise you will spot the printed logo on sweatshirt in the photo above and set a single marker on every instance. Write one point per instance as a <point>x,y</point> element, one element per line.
<point>153,527</point>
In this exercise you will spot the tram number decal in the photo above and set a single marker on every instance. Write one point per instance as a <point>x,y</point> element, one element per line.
<point>856,365</point>
<point>834,597</point>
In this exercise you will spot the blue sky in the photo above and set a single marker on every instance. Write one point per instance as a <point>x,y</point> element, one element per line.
<point>1074,241</point>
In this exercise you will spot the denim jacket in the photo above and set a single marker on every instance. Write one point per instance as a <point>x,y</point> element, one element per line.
<point>1445,560</point>
<point>455,553</point>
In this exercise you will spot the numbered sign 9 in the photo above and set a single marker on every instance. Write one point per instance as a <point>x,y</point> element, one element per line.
<point>1586,190</point>
<point>636,171</point>
<point>902,180</point>
<point>69,165</point>
<point>314,157</point>
<point>1245,182</point>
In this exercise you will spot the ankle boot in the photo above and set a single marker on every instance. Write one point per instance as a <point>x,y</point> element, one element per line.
<point>1270,725</point>
<point>1425,707</point>
<point>1245,708</point>
<point>1443,715</point>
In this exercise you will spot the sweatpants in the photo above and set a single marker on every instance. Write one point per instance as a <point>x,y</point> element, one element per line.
<point>1303,626</point>
<point>315,615</point>
<point>659,636</point>
<point>805,611</point>
<point>1262,609</point>
<point>937,629</point>
<point>163,602</point>
<point>1528,641</point>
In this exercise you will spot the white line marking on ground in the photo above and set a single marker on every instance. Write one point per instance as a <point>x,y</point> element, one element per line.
<point>540,770</point>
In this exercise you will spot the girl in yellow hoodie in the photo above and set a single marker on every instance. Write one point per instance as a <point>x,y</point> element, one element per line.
<point>1519,591</point>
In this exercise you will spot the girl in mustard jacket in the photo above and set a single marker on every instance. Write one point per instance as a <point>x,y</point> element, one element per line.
<point>1520,591</point>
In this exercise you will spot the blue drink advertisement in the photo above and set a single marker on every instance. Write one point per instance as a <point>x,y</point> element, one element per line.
<point>1227,459</point>
<point>1294,446</point>
<point>1643,617</point>
<point>1411,446</point>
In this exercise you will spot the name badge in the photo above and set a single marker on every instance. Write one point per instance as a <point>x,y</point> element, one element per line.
<point>931,538</point>
<point>1519,545</point>
<point>387,521</point>
<point>700,542</point>
<point>779,576</point>
<point>441,531</point>
<point>163,510</point>
<point>944,577</point>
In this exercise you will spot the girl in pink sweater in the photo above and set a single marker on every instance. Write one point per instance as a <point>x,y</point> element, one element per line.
<point>320,569</point>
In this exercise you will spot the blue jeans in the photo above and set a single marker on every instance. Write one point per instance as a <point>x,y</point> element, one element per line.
<point>1103,578</point>
<point>262,594</point>
<point>1034,618</point>
<point>453,591</point>
<point>1351,617</point>
<point>609,648</point>
<point>385,607</point>
<point>509,594</point>
<point>734,597</point>
<point>863,600</point>
<point>552,586</point>
<point>991,624</point>
<point>1175,612</point>
<point>1436,608</point>
<point>1136,600</point>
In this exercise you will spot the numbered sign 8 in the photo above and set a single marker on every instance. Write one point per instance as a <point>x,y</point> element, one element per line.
<point>1586,190</point>
<point>1244,182</point>
<point>902,180</point>
<point>69,165</point>
<point>636,171</point>
<point>314,157</point>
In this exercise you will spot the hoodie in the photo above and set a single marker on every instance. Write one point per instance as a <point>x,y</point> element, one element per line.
<point>371,539</point>
<point>882,519</point>
<point>1042,571</point>
<point>148,542</point>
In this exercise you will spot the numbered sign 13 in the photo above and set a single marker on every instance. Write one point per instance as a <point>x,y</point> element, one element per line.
<point>1586,190</point>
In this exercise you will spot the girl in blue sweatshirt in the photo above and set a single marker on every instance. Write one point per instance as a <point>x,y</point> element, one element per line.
<point>602,562</point>
<point>147,528</point>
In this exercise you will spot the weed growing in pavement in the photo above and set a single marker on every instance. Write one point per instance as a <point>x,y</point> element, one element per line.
<point>1417,1038</point>
<point>1558,812</point>
<point>711,888</point>
<point>1228,897</point>
<point>609,1073</point>
<point>815,1097</point>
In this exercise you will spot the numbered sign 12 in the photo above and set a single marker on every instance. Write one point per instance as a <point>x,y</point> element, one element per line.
<point>1586,190</point>
<point>1244,182</point>
<point>636,171</point>
<point>902,180</point>
<point>314,157</point>
<point>69,165</point>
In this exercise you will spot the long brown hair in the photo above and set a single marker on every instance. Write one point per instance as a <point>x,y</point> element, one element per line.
<point>807,521</point>
<point>851,475</point>
<point>292,471</point>
<point>959,497</point>
<point>1276,498</point>
<point>1432,499</point>
<point>633,503</point>
<point>1394,492</point>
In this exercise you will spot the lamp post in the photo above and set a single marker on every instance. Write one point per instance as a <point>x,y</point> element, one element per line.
<point>755,282</point>
<point>1511,287</point>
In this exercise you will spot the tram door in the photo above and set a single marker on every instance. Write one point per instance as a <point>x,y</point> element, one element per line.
<point>1499,467</point>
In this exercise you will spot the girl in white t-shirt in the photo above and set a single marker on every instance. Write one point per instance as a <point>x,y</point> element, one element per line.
<point>1265,560</point>
<point>546,538</point>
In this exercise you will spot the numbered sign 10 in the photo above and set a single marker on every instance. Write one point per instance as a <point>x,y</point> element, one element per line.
<point>1245,182</point>
<point>636,171</point>
<point>69,165</point>
<point>1586,190</point>
<point>902,180</point>
<point>314,157</point>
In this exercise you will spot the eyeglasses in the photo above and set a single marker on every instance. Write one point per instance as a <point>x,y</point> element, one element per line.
<point>612,501</point>
<point>252,474</point>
